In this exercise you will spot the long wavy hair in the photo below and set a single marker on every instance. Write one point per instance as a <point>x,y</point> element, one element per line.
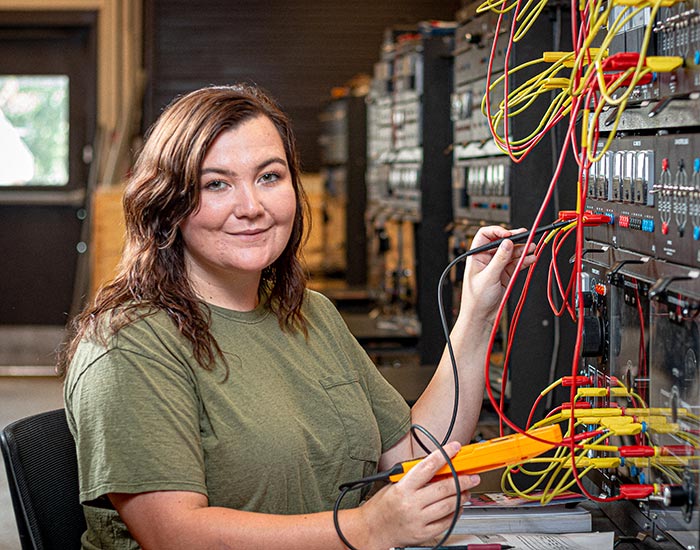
<point>161,193</point>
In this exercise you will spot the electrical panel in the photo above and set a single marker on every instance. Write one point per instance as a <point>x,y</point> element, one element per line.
<point>481,172</point>
<point>343,144</point>
<point>612,91</point>
<point>640,270</point>
<point>408,172</point>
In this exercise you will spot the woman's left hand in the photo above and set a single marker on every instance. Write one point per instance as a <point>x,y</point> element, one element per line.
<point>487,274</point>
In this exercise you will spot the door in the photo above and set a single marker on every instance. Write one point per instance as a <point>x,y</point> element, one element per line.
<point>47,127</point>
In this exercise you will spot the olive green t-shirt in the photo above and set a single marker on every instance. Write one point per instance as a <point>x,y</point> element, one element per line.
<point>277,431</point>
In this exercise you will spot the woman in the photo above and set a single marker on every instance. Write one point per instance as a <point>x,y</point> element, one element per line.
<point>214,400</point>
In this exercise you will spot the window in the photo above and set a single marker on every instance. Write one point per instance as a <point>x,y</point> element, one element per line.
<point>34,130</point>
<point>48,113</point>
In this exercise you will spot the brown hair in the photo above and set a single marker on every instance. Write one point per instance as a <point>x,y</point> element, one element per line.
<point>160,194</point>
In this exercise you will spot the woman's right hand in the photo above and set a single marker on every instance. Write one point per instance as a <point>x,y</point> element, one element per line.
<point>415,509</point>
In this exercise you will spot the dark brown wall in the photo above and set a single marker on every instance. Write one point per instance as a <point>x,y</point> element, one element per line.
<point>296,50</point>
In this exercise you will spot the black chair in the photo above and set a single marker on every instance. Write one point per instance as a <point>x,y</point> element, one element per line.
<point>42,474</point>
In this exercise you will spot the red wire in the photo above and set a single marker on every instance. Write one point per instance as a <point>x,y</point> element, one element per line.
<point>583,435</point>
<point>499,314</point>
<point>489,71</point>
<point>574,19</point>
<point>571,287</point>
<point>506,79</point>
<point>515,317</point>
<point>532,410</point>
<point>590,98</point>
<point>553,273</point>
<point>642,344</point>
<point>577,346</point>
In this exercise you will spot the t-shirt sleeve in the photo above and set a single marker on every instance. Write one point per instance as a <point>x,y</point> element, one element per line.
<point>134,416</point>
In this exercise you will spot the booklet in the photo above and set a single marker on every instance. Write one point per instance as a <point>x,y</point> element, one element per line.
<point>501,500</point>
<point>496,513</point>
<point>538,541</point>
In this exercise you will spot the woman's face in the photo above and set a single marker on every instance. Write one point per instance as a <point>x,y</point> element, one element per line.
<point>247,205</point>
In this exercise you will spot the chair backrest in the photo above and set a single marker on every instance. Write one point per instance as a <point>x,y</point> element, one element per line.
<point>42,472</point>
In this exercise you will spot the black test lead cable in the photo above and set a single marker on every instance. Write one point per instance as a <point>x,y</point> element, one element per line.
<point>384,476</point>
<point>516,238</point>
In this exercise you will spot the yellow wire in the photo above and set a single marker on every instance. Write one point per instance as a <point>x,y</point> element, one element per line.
<point>541,473</point>
<point>562,488</point>
<point>502,77</point>
<point>594,60</point>
<point>561,104</point>
<point>635,76</point>
<point>548,474</point>
<point>491,6</point>
<point>528,20</point>
<point>670,473</point>
<point>554,385</point>
<point>638,398</point>
<point>640,63</point>
<point>693,440</point>
<point>522,98</point>
<point>551,234</point>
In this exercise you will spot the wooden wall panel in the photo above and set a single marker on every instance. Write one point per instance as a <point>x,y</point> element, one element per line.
<point>296,50</point>
<point>108,231</point>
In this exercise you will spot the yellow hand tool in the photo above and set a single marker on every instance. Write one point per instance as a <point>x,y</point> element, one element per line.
<point>493,453</point>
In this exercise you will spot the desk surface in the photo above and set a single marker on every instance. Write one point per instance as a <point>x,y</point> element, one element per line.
<point>631,533</point>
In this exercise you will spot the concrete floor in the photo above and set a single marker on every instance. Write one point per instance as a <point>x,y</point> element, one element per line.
<point>21,396</point>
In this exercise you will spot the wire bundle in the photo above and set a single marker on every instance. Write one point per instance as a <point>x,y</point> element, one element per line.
<point>578,86</point>
<point>588,443</point>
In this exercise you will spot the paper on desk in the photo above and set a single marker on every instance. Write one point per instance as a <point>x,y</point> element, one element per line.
<point>533,541</point>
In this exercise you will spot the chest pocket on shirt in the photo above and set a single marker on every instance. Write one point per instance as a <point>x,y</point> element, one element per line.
<point>355,413</point>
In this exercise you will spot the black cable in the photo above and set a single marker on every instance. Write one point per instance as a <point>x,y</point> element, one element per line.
<point>383,476</point>
<point>518,237</point>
